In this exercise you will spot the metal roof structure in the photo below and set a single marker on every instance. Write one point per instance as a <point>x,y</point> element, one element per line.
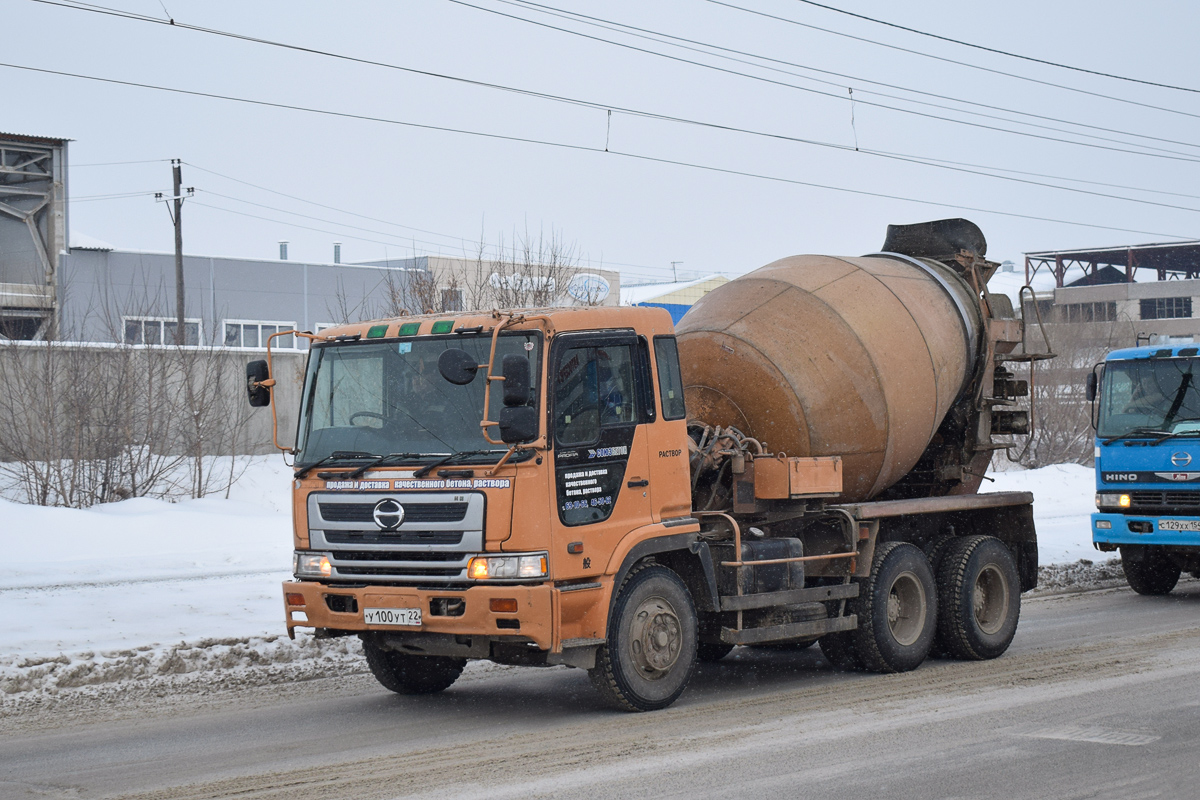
<point>1167,260</point>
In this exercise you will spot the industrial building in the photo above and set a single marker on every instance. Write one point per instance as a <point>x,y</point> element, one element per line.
<point>1101,285</point>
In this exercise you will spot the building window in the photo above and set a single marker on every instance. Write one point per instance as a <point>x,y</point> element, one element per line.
<point>1167,308</point>
<point>1085,312</point>
<point>159,330</point>
<point>254,333</point>
<point>452,300</point>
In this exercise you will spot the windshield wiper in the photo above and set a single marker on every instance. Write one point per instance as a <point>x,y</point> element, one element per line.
<point>381,460</point>
<point>336,455</point>
<point>1138,433</point>
<point>1174,434</point>
<point>425,470</point>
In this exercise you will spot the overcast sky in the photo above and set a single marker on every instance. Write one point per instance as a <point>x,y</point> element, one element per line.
<point>432,191</point>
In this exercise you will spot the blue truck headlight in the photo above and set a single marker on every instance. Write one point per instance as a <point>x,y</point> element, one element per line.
<point>1112,500</point>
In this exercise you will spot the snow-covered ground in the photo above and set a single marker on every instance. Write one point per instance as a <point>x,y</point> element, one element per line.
<point>145,587</point>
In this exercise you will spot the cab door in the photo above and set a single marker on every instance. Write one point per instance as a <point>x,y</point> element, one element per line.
<point>598,421</point>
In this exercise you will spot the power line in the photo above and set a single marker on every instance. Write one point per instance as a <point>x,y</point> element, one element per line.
<point>998,51</point>
<point>600,151</point>
<point>79,6</point>
<point>837,96</point>
<point>670,39</point>
<point>460,239</point>
<point>567,145</point>
<point>910,159</point>
<point>945,60</point>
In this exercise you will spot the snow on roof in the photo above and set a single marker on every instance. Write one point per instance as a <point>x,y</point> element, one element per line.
<point>632,295</point>
<point>81,241</point>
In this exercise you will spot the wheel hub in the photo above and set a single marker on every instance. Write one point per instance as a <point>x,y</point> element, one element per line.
<point>906,608</point>
<point>990,603</point>
<point>656,637</point>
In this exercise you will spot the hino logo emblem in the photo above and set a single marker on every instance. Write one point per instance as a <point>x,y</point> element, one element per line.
<point>388,514</point>
<point>1181,459</point>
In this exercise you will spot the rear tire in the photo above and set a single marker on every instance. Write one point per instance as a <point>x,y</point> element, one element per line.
<point>408,674</point>
<point>897,610</point>
<point>1151,574</point>
<point>979,599</point>
<point>650,653</point>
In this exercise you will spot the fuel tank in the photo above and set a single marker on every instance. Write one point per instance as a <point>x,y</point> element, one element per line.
<point>820,356</point>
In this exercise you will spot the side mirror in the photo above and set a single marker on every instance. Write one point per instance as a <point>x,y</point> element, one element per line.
<point>518,424</point>
<point>256,374</point>
<point>515,370</point>
<point>1092,383</point>
<point>457,366</point>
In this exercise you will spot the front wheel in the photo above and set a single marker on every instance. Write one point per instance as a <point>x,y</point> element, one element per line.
<point>650,653</point>
<point>1148,570</point>
<point>408,674</point>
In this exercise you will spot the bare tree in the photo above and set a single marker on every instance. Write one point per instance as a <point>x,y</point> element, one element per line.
<point>1062,428</point>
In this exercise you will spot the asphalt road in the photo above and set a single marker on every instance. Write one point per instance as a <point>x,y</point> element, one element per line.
<point>1098,697</point>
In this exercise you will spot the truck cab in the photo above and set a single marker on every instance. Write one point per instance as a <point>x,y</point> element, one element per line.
<point>1146,411</point>
<point>442,509</point>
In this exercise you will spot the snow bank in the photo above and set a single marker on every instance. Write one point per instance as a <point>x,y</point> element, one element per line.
<point>143,588</point>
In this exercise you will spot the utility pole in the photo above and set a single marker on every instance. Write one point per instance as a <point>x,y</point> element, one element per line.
<point>674,275</point>
<point>177,218</point>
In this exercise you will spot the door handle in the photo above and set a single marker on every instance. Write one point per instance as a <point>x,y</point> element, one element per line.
<point>637,484</point>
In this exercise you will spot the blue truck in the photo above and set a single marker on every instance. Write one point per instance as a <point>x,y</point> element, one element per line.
<point>1146,412</point>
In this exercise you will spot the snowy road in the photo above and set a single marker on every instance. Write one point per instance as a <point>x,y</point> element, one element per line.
<point>1098,697</point>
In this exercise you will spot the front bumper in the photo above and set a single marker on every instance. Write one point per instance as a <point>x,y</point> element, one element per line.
<point>1119,532</point>
<point>533,620</point>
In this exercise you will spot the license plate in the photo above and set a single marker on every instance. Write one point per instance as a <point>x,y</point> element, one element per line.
<point>392,616</point>
<point>1179,525</point>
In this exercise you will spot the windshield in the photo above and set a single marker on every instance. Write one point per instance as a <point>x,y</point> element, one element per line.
<point>379,398</point>
<point>1151,395</point>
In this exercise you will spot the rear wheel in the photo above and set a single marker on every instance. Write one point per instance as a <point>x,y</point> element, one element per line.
<point>979,598</point>
<point>1148,570</point>
<point>897,610</point>
<point>651,649</point>
<point>408,674</point>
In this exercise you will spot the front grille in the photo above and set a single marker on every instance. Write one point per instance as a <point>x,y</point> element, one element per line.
<point>365,512</point>
<point>391,555</point>
<point>395,565</point>
<point>393,537</point>
<point>1164,501</point>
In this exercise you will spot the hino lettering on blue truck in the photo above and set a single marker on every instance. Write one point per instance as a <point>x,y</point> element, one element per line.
<point>1146,412</point>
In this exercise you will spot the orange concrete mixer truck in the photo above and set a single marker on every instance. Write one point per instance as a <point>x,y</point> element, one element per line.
<point>797,461</point>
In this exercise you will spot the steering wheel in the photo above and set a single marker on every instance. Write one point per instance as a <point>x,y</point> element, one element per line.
<point>367,414</point>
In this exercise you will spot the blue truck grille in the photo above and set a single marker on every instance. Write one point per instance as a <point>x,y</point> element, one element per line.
<point>1164,501</point>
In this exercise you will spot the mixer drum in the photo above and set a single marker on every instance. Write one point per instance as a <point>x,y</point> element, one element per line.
<point>819,356</point>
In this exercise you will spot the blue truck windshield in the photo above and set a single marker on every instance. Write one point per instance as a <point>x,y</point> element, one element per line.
<point>1151,395</point>
<point>384,397</point>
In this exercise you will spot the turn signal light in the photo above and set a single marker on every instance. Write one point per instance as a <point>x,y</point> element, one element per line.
<point>294,599</point>
<point>503,605</point>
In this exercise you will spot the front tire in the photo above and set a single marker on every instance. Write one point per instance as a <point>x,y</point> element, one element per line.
<point>650,653</point>
<point>979,599</point>
<point>1151,574</point>
<point>403,673</point>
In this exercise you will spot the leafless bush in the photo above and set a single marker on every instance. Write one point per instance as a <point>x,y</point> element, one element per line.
<point>1062,429</point>
<point>82,424</point>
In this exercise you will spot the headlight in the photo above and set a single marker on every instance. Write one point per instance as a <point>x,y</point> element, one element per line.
<point>311,565</point>
<point>507,567</point>
<point>1111,500</point>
